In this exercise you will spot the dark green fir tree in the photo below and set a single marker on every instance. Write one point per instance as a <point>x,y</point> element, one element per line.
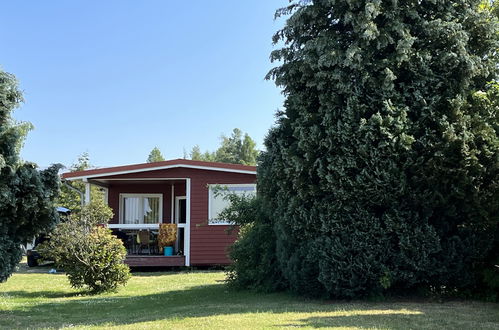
<point>382,170</point>
<point>26,194</point>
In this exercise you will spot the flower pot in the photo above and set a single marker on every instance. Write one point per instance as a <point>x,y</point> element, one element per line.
<point>168,250</point>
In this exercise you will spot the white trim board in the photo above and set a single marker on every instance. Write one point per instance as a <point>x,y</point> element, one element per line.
<point>144,179</point>
<point>208,168</point>
<point>133,226</point>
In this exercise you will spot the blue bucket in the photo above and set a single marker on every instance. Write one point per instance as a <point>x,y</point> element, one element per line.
<point>168,250</point>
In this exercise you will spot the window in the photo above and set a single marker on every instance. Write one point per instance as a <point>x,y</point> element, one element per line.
<point>217,202</point>
<point>141,208</point>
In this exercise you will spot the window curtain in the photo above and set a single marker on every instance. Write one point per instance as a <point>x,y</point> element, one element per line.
<point>132,210</point>
<point>141,210</point>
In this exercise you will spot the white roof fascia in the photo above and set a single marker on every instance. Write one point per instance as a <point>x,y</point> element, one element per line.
<point>208,168</point>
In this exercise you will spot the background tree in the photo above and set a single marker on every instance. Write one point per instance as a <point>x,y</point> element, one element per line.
<point>71,198</point>
<point>382,171</point>
<point>155,156</point>
<point>236,149</point>
<point>196,154</point>
<point>26,194</point>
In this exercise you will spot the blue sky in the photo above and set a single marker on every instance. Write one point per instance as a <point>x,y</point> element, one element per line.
<point>117,78</point>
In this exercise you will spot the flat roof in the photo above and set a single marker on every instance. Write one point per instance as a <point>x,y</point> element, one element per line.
<point>174,163</point>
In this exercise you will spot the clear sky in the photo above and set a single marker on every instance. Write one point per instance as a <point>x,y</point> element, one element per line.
<point>117,78</point>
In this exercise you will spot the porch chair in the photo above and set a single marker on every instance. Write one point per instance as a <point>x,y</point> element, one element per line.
<point>144,239</point>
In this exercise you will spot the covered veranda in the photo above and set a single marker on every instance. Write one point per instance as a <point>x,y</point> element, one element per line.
<point>140,205</point>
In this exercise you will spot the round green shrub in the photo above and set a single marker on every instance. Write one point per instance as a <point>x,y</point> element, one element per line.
<point>101,268</point>
<point>89,254</point>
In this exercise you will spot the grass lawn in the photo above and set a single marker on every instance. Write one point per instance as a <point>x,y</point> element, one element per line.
<point>200,300</point>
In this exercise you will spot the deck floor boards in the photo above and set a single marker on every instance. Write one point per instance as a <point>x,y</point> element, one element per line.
<point>154,261</point>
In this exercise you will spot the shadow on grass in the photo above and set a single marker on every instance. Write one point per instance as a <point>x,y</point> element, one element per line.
<point>199,301</point>
<point>391,320</point>
<point>43,294</point>
<point>212,300</point>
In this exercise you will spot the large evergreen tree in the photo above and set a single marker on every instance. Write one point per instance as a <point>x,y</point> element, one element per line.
<point>382,170</point>
<point>26,194</point>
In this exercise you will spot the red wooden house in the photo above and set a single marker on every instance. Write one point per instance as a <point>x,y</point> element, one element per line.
<point>176,191</point>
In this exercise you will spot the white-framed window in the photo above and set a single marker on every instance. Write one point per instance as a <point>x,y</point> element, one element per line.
<point>141,208</point>
<point>217,201</point>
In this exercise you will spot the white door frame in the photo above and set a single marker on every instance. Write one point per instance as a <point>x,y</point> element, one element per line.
<point>177,218</point>
<point>177,207</point>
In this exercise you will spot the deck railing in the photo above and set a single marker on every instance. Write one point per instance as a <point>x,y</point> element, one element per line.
<point>141,239</point>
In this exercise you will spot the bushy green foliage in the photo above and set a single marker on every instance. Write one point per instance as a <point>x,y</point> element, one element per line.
<point>382,171</point>
<point>26,194</point>
<point>89,254</point>
<point>235,149</point>
<point>253,254</point>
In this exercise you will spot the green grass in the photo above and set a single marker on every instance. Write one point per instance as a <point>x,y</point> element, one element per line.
<point>201,300</point>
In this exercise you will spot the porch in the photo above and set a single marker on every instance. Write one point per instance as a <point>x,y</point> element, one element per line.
<point>143,250</point>
<point>139,207</point>
<point>143,241</point>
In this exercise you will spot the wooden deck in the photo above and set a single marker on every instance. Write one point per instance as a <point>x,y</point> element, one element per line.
<point>154,261</point>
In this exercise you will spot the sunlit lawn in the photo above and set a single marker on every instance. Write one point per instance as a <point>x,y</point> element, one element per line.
<point>201,300</point>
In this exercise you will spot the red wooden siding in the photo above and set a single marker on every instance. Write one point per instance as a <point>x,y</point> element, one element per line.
<point>209,244</point>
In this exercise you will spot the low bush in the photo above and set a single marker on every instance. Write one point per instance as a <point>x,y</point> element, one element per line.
<point>253,254</point>
<point>90,255</point>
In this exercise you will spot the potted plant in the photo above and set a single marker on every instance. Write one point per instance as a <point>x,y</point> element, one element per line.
<point>166,238</point>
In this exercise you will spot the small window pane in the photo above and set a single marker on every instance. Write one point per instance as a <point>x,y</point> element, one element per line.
<point>151,210</point>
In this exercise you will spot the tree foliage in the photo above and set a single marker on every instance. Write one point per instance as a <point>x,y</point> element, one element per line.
<point>254,263</point>
<point>382,170</point>
<point>196,154</point>
<point>89,254</point>
<point>236,149</point>
<point>26,194</point>
<point>155,156</point>
<point>71,191</point>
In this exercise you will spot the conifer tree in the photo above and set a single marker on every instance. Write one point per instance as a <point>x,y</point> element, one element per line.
<point>26,194</point>
<point>155,156</point>
<point>382,170</point>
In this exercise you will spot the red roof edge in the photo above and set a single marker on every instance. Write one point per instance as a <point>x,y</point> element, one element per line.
<point>137,167</point>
